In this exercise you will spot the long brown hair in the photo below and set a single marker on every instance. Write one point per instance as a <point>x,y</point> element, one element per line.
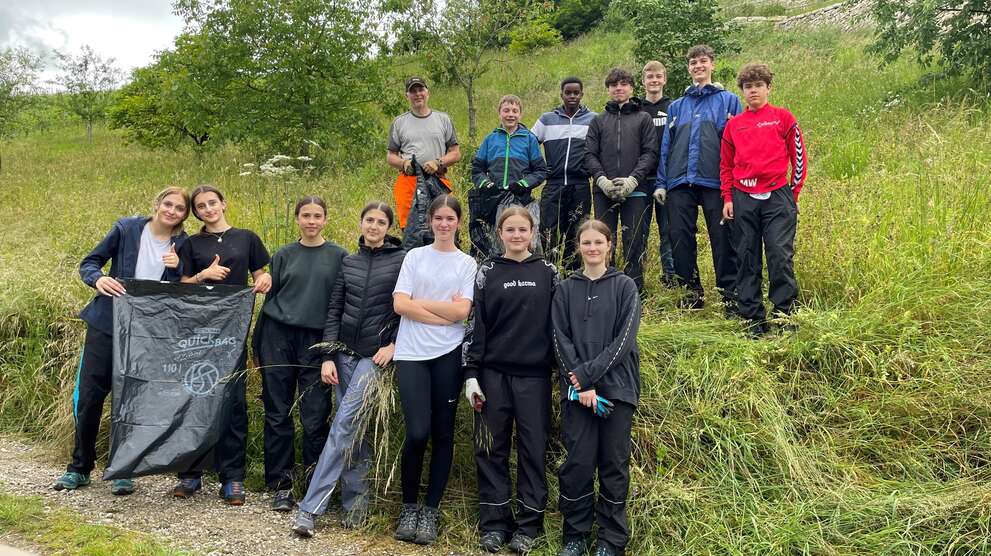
<point>174,190</point>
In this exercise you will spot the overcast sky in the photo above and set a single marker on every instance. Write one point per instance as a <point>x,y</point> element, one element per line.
<point>130,31</point>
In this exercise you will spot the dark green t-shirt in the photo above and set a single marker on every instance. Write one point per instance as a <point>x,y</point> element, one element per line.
<point>302,279</point>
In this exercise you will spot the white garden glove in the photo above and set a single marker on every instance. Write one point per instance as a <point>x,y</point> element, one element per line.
<point>661,195</point>
<point>624,186</point>
<point>606,185</point>
<point>472,389</point>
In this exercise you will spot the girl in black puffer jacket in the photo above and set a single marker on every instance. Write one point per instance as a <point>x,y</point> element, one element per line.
<point>360,331</point>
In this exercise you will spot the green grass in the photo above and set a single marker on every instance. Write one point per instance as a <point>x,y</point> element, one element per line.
<point>864,433</point>
<point>66,533</point>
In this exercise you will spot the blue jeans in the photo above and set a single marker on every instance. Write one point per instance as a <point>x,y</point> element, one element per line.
<point>338,460</point>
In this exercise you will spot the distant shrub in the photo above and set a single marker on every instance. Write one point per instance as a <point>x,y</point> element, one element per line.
<point>576,17</point>
<point>537,34</point>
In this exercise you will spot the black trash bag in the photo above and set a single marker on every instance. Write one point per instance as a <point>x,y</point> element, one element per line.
<point>417,232</point>
<point>484,208</point>
<point>175,347</point>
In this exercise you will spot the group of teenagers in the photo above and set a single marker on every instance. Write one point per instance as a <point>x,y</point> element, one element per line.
<point>494,331</point>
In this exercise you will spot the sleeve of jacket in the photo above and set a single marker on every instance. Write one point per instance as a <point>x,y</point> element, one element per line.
<point>539,129</point>
<point>593,165</point>
<point>590,372</point>
<point>91,267</point>
<point>332,326</point>
<point>275,271</point>
<point>473,350</point>
<point>735,106</point>
<point>663,149</point>
<point>564,348</point>
<point>798,156</point>
<point>537,172</point>
<point>480,165</point>
<point>647,161</point>
<point>727,151</point>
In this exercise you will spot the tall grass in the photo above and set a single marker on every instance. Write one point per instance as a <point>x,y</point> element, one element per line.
<point>865,432</point>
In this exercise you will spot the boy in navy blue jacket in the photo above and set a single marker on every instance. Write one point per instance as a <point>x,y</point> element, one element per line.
<point>688,178</point>
<point>508,162</point>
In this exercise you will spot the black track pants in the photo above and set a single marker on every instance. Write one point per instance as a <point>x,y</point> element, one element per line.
<point>635,214</point>
<point>562,209</point>
<point>429,392</point>
<point>527,402</point>
<point>770,223</point>
<point>683,204</point>
<point>603,445</point>
<point>290,368</point>
<point>93,383</point>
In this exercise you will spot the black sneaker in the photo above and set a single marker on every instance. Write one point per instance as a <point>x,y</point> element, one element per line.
<point>574,547</point>
<point>409,518</point>
<point>604,550</point>
<point>283,501</point>
<point>492,541</point>
<point>521,544</point>
<point>692,302</point>
<point>426,528</point>
<point>756,328</point>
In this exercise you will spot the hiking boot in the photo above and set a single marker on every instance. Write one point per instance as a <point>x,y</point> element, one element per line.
<point>233,493</point>
<point>186,487</point>
<point>426,528</point>
<point>122,487</point>
<point>730,310</point>
<point>70,480</point>
<point>574,547</point>
<point>604,550</point>
<point>283,501</point>
<point>303,524</point>
<point>492,541</point>
<point>409,518</point>
<point>521,544</point>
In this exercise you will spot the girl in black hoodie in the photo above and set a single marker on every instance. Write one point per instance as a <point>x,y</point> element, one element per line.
<point>507,359</point>
<point>360,335</point>
<point>596,314</point>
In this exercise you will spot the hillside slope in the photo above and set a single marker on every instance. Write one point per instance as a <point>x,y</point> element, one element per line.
<point>866,432</point>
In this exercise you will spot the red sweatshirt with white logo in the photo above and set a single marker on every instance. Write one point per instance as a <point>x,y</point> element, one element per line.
<point>757,148</point>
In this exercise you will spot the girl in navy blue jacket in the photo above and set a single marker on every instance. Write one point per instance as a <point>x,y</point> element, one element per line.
<point>142,247</point>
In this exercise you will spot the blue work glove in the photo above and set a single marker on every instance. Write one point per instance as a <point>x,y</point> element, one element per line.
<point>603,407</point>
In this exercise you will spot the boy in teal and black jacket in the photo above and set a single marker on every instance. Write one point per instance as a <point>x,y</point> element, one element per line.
<point>508,163</point>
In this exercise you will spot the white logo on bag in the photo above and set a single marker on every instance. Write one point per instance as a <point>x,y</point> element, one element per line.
<point>204,338</point>
<point>201,378</point>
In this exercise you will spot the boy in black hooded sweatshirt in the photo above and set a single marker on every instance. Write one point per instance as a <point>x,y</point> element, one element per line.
<point>507,359</point>
<point>596,315</point>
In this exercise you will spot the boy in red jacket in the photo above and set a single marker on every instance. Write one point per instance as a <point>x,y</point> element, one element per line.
<point>757,147</point>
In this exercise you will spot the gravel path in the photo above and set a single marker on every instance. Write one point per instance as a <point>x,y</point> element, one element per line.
<point>203,524</point>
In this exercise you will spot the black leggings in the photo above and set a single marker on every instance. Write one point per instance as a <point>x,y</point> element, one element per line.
<point>429,392</point>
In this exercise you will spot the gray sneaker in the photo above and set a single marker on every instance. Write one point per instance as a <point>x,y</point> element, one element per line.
<point>426,528</point>
<point>409,519</point>
<point>521,544</point>
<point>122,487</point>
<point>303,524</point>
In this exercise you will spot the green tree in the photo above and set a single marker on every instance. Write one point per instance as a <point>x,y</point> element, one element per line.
<point>288,74</point>
<point>466,31</point>
<point>576,17</point>
<point>18,80</point>
<point>665,29</point>
<point>88,79</point>
<point>956,36</point>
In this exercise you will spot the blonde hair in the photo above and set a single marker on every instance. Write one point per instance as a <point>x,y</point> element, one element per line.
<point>515,210</point>
<point>511,99</point>
<point>594,225</point>
<point>654,66</point>
<point>174,190</point>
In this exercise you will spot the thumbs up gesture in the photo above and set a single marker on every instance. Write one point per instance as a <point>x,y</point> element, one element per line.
<point>170,258</point>
<point>215,272</point>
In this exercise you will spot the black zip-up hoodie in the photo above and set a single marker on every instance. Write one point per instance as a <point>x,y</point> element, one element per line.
<point>360,314</point>
<point>622,142</point>
<point>510,327</point>
<point>595,334</point>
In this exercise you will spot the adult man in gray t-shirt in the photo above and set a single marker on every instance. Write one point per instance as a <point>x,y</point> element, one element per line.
<point>427,134</point>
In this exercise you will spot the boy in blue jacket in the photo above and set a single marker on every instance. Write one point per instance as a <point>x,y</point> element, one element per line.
<point>508,163</point>
<point>688,178</point>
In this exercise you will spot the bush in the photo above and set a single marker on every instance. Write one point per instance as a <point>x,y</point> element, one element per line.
<point>538,34</point>
<point>576,17</point>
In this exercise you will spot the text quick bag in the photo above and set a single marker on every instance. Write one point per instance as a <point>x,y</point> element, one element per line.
<point>175,347</point>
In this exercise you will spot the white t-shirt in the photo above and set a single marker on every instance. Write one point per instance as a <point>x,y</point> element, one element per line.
<point>431,274</point>
<point>150,265</point>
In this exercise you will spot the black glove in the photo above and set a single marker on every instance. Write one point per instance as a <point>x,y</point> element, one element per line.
<point>519,188</point>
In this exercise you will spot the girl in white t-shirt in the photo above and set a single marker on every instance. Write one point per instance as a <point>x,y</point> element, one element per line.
<point>433,296</point>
